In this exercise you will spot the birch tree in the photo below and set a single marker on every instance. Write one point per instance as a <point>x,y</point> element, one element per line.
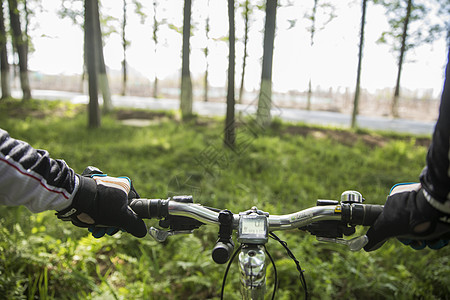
<point>186,83</point>
<point>21,47</point>
<point>206,53</point>
<point>263,116</point>
<point>103,82</point>
<point>230,130</point>
<point>124,47</point>
<point>4,65</point>
<point>360,56</point>
<point>326,9</point>
<point>91,52</point>
<point>402,36</point>
<point>156,25</point>
<point>246,13</point>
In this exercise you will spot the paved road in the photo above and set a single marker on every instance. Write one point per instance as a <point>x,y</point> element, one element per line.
<point>218,109</point>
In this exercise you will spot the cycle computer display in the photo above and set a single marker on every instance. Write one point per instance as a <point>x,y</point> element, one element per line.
<point>253,229</point>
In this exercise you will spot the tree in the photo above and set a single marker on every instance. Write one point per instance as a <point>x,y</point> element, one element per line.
<point>402,37</point>
<point>328,11</point>
<point>125,42</point>
<point>156,25</point>
<point>186,83</point>
<point>103,83</point>
<point>263,117</point>
<point>360,55</point>
<point>230,131</point>
<point>247,10</point>
<point>4,65</point>
<point>124,47</point>
<point>21,47</point>
<point>444,12</point>
<point>91,52</point>
<point>206,52</point>
<point>76,12</point>
<point>401,58</point>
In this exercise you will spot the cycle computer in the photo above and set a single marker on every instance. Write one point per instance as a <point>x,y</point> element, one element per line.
<point>253,229</point>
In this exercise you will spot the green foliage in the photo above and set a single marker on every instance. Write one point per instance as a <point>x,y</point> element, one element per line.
<point>422,27</point>
<point>281,170</point>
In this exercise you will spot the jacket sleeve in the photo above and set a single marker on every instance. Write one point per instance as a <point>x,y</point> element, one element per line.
<point>435,178</point>
<point>31,178</point>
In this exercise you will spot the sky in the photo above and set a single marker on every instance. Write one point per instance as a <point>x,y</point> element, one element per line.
<point>331,62</point>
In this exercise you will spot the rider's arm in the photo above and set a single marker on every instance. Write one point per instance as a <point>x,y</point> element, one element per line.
<point>421,211</point>
<point>435,178</point>
<point>31,178</point>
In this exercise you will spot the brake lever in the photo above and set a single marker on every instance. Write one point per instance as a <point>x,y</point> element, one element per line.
<point>354,244</point>
<point>162,235</point>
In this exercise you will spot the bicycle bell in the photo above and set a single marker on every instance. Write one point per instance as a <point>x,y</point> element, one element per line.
<point>351,197</point>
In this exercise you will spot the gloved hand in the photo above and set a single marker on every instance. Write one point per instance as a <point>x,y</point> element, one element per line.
<point>408,213</point>
<point>101,204</point>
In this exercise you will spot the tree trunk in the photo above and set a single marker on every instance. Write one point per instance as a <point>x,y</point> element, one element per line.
<point>20,45</point>
<point>155,40</point>
<point>244,62</point>
<point>230,132</point>
<point>91,41</point>
<point>27,25</point>
<point>265,94</point>
<point>103,83</point>
<point>313,31</point>
<point>360,56</point>
<point>309,95</point>
<point>155,88</point>
<point>124,47</point>
<point>205,83</point>
<point>4,65</point>
<point>206,51</point>
<point>400,60</point>
<point>186,83</point>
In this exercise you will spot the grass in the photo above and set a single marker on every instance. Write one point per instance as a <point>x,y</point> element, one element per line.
<point>281,170</point>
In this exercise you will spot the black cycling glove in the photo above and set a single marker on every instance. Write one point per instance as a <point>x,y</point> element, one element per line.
<point>101,204</point>
<point>407,213</point>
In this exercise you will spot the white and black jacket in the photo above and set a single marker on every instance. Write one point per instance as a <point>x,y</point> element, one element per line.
<point>31,178</point>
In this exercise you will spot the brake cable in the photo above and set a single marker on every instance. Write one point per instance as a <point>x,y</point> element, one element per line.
<point>297,263</point>
<point>227,269</point>
<point>275,285</point>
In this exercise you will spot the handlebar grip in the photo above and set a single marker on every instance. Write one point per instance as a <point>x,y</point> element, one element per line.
<point>361,214</point>
<point>150,208</point>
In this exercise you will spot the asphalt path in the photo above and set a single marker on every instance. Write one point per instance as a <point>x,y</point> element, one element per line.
<point>218,109</point>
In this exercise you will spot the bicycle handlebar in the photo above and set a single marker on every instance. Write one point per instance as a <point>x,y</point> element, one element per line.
<point>353,214</point>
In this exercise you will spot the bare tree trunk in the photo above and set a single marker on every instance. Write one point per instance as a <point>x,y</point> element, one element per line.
<point>186,83</point>
<point>4,65</point>
<point>91,41</point>
<point>400,60</point>
<point>244,62</point>
<point>313,31</point>
<point>124,47</point>
<point>360,56</point>
<point>309,95</point>
<point>230,130</point>
<point>27,25</point>
<point>205,83</point>
<point>20,45</point>
<point>155,40</point>
<point>265,94</point>
<point>206,51</point>
<point>103,83</point>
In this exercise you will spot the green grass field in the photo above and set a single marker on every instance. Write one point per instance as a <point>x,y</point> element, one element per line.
<point>281,170</point>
